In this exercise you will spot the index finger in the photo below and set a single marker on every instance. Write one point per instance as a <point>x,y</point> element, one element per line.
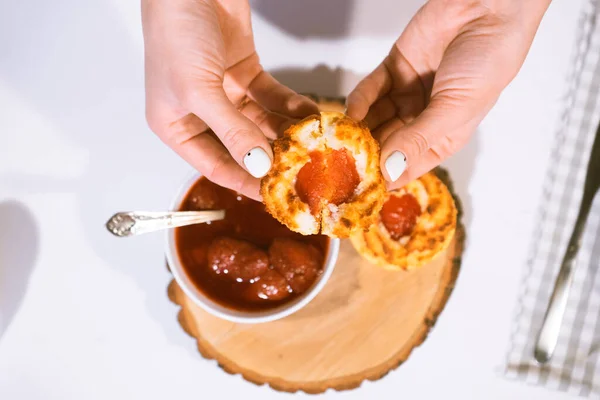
<point>245,142</point>
<point>203,152</point>
<point>371,88</point>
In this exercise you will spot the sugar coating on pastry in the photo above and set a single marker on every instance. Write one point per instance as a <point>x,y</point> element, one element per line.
<point>325,177</point>
<point>415,225</point>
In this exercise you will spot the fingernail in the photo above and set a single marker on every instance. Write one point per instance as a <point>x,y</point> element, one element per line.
<point>395,165</point>
<point>257,162</point>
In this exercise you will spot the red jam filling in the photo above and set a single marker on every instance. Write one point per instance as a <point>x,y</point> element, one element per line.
<point>399,215</point>
<point>329,176</point>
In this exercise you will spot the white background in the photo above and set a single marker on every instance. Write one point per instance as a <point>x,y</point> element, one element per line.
<point>86,316</point>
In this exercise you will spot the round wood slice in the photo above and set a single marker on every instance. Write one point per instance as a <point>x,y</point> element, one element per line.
<point>364,323</point>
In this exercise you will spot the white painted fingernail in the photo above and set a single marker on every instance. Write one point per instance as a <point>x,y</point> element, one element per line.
<point>395,165</point>
<point>257,162</point>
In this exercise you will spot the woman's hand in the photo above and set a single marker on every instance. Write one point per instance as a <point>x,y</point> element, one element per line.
<point>202,72</point>
<point>440,79</point>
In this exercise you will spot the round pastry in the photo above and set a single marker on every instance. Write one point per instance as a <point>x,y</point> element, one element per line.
<point>325,177</point>
<point>415,224</point>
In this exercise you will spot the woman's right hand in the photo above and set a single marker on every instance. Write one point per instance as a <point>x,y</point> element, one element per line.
<point>442,76</point>
<point>202,74</point>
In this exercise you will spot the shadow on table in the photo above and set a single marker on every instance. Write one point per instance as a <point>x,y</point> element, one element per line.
<point>82,72</point>
<point>461,166</point>
<point>336,19</point>
<point>19,245</point>
<point>321,80</point>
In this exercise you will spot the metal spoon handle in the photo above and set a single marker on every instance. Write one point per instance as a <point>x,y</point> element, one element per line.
<point>132,223</point>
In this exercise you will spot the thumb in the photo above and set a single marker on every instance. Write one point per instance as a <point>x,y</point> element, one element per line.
<point>464,89</point>
<point>245,142</point>
<point>442,128</point>
<point>473,69</point>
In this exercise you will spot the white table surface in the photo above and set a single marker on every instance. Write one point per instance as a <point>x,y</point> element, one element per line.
<point>85,316</point>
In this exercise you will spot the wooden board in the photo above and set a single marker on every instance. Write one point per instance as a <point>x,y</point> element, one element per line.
<point>364,323</point>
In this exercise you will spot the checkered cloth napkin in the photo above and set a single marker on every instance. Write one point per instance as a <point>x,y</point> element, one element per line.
<point>574,367</point>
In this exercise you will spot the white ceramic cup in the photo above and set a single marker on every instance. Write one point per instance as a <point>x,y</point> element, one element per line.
<point>250,317</point>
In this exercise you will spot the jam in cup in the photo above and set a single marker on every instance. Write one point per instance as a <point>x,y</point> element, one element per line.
<point>248,268</point>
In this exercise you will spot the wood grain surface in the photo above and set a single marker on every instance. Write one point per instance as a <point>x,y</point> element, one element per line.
<point>364,323</point>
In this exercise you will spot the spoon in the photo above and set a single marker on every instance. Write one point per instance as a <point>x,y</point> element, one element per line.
<point>124,224</point>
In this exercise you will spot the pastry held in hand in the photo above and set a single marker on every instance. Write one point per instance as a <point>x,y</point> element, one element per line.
<point>415,225</point>
<point>325,177</point>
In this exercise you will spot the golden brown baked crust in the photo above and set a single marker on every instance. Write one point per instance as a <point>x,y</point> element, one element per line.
<point>432,234</point>
<point>329,130</point>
